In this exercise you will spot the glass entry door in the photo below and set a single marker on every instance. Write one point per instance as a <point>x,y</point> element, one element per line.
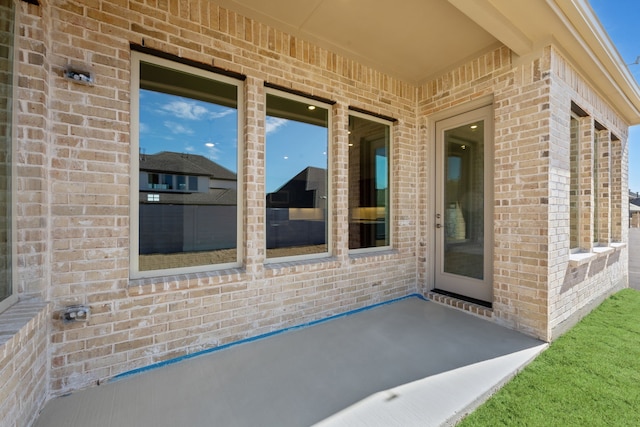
<point>463,205</point>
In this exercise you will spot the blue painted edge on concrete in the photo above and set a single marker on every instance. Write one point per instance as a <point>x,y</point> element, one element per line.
<point>259,337</point>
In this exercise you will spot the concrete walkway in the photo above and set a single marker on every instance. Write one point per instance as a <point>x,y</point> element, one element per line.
<point>407,363</point>
<point>634,258</point>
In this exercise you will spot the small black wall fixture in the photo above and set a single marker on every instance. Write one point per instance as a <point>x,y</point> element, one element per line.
<point>78,75</point>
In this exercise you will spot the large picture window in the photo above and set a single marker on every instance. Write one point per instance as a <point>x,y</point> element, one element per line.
<point>368,182</point>
<point>297,187</point>
<point>7,25</point>
<point>186,161</point>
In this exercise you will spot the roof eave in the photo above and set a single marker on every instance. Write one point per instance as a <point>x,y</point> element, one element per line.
<point>614,79</point>
<point>573,25</point>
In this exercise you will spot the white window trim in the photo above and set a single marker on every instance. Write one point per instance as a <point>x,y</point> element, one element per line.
<point>390,183</point>
<point>329,223</point>
<point>134,272</point>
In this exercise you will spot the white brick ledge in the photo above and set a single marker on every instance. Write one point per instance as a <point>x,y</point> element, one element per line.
<point>581,258</point>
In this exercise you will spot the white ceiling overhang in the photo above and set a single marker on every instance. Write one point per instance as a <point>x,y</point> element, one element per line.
<point>416,40</point>
<point>408,39</point>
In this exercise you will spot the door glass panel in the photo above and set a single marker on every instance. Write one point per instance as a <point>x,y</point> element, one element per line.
<point>464,201</point>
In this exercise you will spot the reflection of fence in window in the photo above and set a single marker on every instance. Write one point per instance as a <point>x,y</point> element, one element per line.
<point>291,227</point>
<point>167,229</point>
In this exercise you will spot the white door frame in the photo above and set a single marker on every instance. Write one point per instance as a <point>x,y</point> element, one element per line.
<point>473,288</point>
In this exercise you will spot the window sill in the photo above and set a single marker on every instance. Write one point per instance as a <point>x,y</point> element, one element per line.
<point>373,254</point>
<point>143,281</point>
<point>16,317</point>
<point>284,267</point>
<point>582,258</point>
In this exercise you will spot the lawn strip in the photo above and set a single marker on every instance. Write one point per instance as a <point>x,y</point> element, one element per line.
<point>590,376</point>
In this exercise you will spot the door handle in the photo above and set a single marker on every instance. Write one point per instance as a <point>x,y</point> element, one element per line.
<point>438,225</point>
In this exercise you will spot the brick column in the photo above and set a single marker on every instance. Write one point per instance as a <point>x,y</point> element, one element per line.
<point>602,191</point>
<point>253,157</point>
<point>339,182</point>
<point>585,186</point>
<point>618,211</point>
<point>33,143</point>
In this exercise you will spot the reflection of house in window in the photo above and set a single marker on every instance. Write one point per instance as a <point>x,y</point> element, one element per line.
<point>181,172</point>
<point>180,194</point>
<point>296,211</point>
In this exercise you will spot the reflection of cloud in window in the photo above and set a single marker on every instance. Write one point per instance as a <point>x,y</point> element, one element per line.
<point>178,124</point>
<point>185,110</point>
<point>273,123</point>
<point>213,153</point>
<point>192,110</point>
<point>178,129</point>
<point>221,114</point>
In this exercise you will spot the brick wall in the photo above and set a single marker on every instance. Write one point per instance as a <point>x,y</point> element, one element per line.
<point>576,286</point>
<point>24,327</point>
<point>24,362</point>
<point>24,332</point>
<point>32,154</point>
<point>135,323</point>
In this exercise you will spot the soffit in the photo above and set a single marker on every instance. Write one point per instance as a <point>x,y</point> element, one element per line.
<point>416,40</point>
<point>573,28</point>
<point>408,39</point>
<point>599,59</point>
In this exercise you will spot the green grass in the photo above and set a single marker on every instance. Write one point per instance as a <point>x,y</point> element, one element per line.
<point>588,377</point>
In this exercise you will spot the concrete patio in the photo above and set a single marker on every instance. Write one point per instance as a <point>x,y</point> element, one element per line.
<point>409,362</point>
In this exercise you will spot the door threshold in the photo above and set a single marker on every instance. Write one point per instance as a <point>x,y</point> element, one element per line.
<point>470,305</point>
<point>462,298</point>
<point>466,306</point>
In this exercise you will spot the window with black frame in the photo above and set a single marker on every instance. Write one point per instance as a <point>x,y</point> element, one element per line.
<point>296,173</point>
<point>369,144</point>
<point>7,29</point>
<point>187,167</point>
